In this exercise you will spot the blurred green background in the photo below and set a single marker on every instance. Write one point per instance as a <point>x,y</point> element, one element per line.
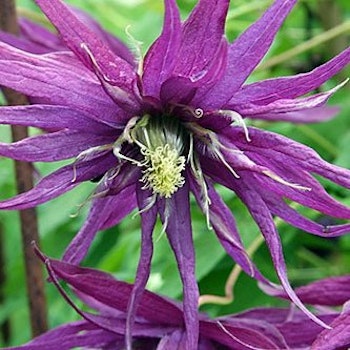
<point>117,250</point>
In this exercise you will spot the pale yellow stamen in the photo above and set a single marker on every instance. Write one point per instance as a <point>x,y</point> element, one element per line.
<point>163,170</point>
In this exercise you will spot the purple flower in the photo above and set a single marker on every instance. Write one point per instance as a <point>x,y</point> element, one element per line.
<point>160,322</point>
<point>171,126</point>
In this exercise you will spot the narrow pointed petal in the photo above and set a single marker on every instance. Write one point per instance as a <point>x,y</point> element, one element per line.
<point>225,228</point>
<point>53,146</point>
<point>246,52</point>
<point>312,115</point>
<point>185,90</point>
<point>102,210</point>
<point>21,43</point>
<point>161,57</point>
<point>148,220</point>
<point>264,220</point>
<point>300,333</point>
<point>179,233</point>
<point>279,207</point>
<point>173,341</point>
<point>178,90</point>
<point>297,331</point>
<point>116,45</point>
<point>59,182</point>
<point>294,162</point>
<point>238,335</point>
<point>52,118</point>
<point>270,90</point>
<point>115,294</point>
<point>202,38</point>
<point>339,336</point>
<point>71,335</point>
<point>55,78</point>
<point>332,291</point>
<point>271,157</point>
<point>305,110</point>
<point>93,52</point>
<point>41,36</point>
<point>202,35</point>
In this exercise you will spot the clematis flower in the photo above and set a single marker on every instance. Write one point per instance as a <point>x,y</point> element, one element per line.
<point>160,321</point>
<point>174,124</point>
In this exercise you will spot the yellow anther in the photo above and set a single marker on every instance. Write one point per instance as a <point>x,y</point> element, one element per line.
<point>163,168</point>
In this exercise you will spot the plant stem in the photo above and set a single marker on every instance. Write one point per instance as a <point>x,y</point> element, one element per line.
<point>5,329</point>
<point>24,178</point>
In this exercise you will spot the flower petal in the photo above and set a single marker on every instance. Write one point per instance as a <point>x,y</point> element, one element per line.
<point>161,57</point>
<point>312,115</point>
<point>72,335</point>
<point>202,35</point>
<point>270,90</point>
<point>225,228</point>
<point>59,182</point>
<point>56,78</point>
<point>54,146</point>
<point>279,207</point>
<point>22,43</point>
<point>338,337</point>
<point>177,90</point>
<point>294,162</point>
<point>246,52</point>
<point>52,117</point>
<point>177,219</point>
<point>101,211</point>
<point>116,45</point>
<point>115,294</point>
<point>332,291</point>
<point>93,52</point>
<point>305,110</point>
<point>173,341</point>
<point>42,37</point>
<point>148,221</point>
<point>262,216</point>
<point>238,335</point>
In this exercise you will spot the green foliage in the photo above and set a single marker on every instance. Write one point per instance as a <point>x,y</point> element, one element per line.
<point>117,249</point>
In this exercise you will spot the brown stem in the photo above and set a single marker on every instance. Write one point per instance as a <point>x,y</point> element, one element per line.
<point>24,178</point>
<point>5,325</point>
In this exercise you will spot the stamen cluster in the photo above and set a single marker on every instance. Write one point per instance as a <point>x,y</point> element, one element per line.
<point>162,141</point>
<point>163,170</point>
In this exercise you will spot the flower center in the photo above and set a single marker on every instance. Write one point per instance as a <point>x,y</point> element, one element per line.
<point>163,170</point>
<point>162,141</point>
